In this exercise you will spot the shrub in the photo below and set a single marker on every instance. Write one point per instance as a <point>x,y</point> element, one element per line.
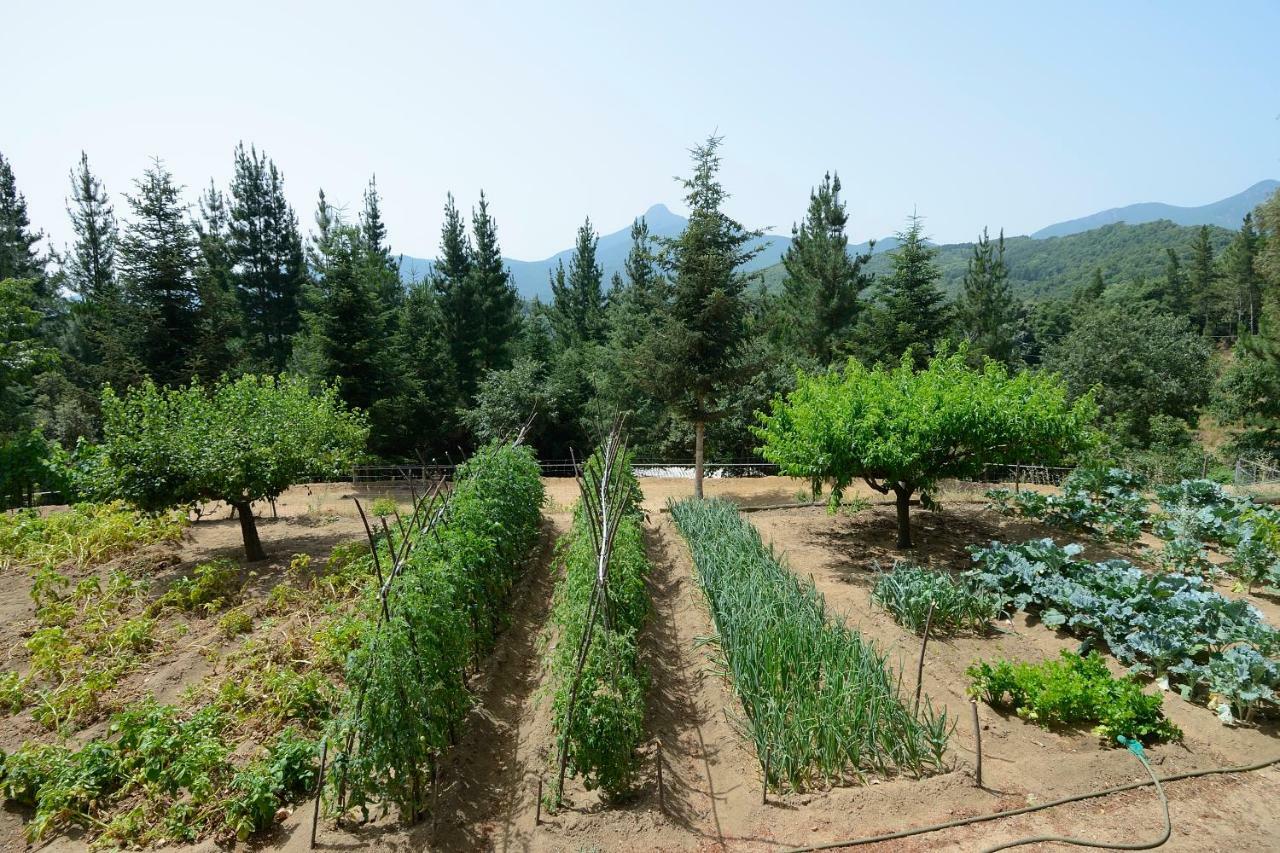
<point>384,507</point>
<point>958,604</point>
<point>1070,691</point>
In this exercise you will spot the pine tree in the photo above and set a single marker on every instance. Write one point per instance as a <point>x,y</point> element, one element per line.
<point>988,311</point>
<point>102,340</point>
<point>823,282</point>
<point>481,307</point>
<point>219,345</point>
<point>1093,291</point>
<point>157,265</point>
<point>374,231</point>
<point>18,256</point>
<point>1175,297</point>
<point>268,266</point>
<point>695,351</point>
<point>1241,276</point>
<point>911,315</point>
<point>91,266</point>
<point>1202,278</point>
<point>421,413</point>
<point>578,299</point>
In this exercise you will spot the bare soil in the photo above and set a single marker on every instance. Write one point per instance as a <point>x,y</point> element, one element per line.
<point>712,791</point>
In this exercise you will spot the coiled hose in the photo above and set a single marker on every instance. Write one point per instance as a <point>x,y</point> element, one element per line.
<point>1075,798</point>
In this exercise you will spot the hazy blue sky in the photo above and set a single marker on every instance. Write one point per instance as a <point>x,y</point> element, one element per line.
<point>978,114</point>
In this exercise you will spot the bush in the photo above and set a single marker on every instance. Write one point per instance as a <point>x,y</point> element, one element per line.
<point>1070,691</point>
<point>958,604</point>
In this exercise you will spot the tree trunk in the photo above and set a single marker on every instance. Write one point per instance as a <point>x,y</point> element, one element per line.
<point>699,436</point>
<point>249,530</point>
<point>903,495</point>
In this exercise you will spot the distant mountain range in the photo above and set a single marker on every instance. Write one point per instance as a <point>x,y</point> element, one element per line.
<point>1226,213</point>
<point>532,277</point>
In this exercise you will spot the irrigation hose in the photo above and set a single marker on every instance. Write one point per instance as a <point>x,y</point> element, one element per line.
<point>1136,748</point>
<point>1075,798</point>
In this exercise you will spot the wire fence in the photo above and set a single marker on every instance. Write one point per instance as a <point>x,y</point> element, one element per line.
<point>1255,472</point>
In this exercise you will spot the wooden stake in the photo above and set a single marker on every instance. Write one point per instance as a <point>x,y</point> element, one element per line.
<point>924,644</point>
<point>662,801</point>
<point>315,814</point>
<point>537,810</point>
<point>977,740</point>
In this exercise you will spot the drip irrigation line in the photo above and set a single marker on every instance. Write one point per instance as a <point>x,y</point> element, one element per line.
<point>967,821</point>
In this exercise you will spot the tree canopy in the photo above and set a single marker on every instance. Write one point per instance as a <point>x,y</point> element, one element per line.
<point>240,441</point>
<point>902,430</point>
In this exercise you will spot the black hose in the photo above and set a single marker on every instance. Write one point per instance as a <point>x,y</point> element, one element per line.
<point>966,821</point>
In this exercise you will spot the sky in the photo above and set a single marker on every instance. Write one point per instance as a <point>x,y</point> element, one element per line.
<point>1007,115</point>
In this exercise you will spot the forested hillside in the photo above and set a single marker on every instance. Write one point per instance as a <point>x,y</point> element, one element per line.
<point>1058,266</point>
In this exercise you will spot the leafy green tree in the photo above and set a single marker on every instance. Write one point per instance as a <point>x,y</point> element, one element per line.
<point>823,281</point>
<point>911,314</point>
<point>157,264</point>
<point>18,255</point>
<point>577,307</point>
<point>903,430</point>
<point>507,399</point>
<point>239,441</point>
<point>268,264</point>
<point>694,353</point>
<point>988,311</point>
<point>1143,361</point>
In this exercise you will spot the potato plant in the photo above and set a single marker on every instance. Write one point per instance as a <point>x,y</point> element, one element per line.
<point>820,703</point>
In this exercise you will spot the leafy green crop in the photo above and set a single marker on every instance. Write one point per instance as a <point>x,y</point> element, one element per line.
<point>1197,511</point>
<point>907,592</point>
<point>1172,625</point>
<point>820,702</point>
<point>608,716</point>
<point>1105,501</point>
<point>82,536</point>
<point>1070,691</point>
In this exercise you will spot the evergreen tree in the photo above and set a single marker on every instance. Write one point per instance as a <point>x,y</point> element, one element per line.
<point>1241,276</point>
<point>374,231</point>
<point>219,345</point>
<point>422,412</point>
<point>91,266</point>
<point>578,299</point>
<point>157,265</point>
<point>988,311</point>
<point>911,314</point>
<point>18,256</point>
<point>1175,298</point>
<point>1202,278</point>
<point>1095,288</point>
<point>695,351</point>
<point>823,282</point>
<point>268,266</point>
<point>103,335</point>
<point>480,306</point>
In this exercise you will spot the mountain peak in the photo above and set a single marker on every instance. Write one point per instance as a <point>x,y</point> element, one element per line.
<point>1226,213</point>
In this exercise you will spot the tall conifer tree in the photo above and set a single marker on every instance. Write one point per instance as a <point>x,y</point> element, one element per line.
<point>912,314</point>
<point>18,255</point>
<point>988,311</point>
<point>157,265</point>
<point>823,281</point>
<point>268,266</point>
<point>578,298</point>
<point>696,350</point>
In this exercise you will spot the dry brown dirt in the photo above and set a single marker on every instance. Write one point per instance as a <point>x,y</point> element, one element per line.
<point>711,776</point>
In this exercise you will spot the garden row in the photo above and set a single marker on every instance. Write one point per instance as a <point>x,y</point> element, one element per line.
<point>441,598</point>
<point>820,703</point>
<point>600,606</point>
